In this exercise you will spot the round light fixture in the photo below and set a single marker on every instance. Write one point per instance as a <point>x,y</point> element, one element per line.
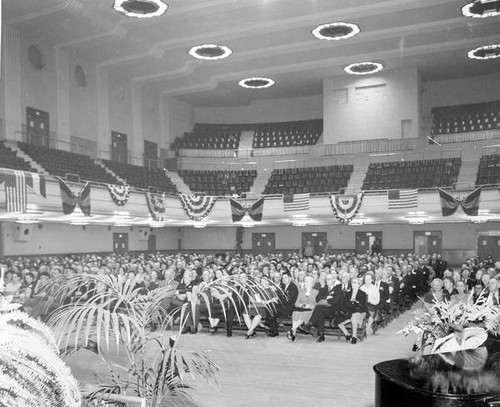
<point>364,68</point>
<point>140,8</point>
<point>256,83</point>
<point>481,8</point>
<point>210,52</point>
<point>199,225</point>
<point>335,31</point>
<point>485,52</point>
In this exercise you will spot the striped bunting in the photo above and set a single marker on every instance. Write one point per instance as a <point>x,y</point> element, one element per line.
<point>198,207</point>
<point>295,202</point>
<point>402,198</point>
<point>15,190</point>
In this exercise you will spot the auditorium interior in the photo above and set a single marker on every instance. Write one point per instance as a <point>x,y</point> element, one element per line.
<point>148,126</point>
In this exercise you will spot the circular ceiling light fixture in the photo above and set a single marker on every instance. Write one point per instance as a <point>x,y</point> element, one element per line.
<point>256,83</point>
<point>210,52</point>
<point>335,31</point>
<point>481,8</point>
<point>364,68</point>
<point>485,52</point>
<point>140,8</point>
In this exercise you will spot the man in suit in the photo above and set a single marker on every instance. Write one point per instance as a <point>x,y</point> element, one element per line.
<point>287,296</point>
<point>330,301</point>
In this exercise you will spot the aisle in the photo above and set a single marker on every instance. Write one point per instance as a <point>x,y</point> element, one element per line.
<point>274,372</point>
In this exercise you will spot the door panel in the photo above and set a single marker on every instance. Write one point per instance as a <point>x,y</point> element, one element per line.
<point>263,243</point>
<point>37,127</point>
<point>150,154</point>
<point>119,147</point>
<point>313,243</point>
<point>366,240</point>
<point>427,242</point>
<point>120,242</point>
<point>151,243</point>
<point>488,246</point>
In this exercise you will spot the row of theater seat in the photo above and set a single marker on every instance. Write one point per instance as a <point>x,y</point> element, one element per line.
<point>489,170</point>
<point>219,182</point>
<point>465,118</point>
<point>309,180</point>
<point>60,163</point>
<point>441,172</point>
<point>9,159</point>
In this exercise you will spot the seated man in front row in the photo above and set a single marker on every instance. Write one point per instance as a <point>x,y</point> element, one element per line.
<point>288,297</point>
<point>329,303</point>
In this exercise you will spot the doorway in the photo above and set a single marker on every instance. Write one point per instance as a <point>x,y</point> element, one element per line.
<point>37,127</point>
<point>488,244</point>
<point>368,242</point>
<point>151,243</point>
<point>425,242</point>
<point>120,243</point>
<point>313,243</point>
<point>150,155</point>
<point>263,243</point>
<point>119,152</point>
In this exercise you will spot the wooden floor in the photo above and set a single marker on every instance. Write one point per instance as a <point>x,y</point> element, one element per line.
<point>275,372</point>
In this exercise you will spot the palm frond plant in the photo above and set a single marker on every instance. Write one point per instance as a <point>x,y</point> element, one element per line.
<point>448,326</point>
<point>31,371</point>
<point>116,313</point>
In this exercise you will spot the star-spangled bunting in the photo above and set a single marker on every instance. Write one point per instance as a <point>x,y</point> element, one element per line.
<point>469,204</point>
<point>15,188</point>
<point>197,207</point>
<point>157,206</point>
<point>345,207</point>
<point>295,202</point>
<point>70,199</point>
<point>240,208</point>
<point>119,193</point>
<point>402,198</point>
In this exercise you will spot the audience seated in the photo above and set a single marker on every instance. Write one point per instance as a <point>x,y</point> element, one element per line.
<point>341,302</point>
<point>141,177</point>
<point>489,170</point>
<point>465,118</point>
<point>219,183</point>
<point>309,179</point>
<point>60,163</point>
<point>442,172</point>
<point>9,159</point>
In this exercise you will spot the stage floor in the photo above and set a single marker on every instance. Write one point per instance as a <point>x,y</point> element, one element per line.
<point>275,372</point>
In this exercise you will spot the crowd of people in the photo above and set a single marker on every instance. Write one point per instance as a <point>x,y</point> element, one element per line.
<point>338,290</point>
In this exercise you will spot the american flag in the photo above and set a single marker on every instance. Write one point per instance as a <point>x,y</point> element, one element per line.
<point>15,190</point>
<point>402,198</point>
<point>295,202</point>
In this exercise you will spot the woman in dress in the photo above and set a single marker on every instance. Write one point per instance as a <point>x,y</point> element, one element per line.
<point>257,307</point>
<point>355,310</point>
<point>304,306</point>
<point>373,299</point>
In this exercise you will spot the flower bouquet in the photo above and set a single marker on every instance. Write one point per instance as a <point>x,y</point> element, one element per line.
<point>451,326</point>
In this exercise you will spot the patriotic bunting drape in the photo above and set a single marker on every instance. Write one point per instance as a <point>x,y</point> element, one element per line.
<point>345,207</point>
<point>156,206</point>
<point>198,207</point>
<point>15,188</point>
<point>70,199</point>
<point>119,193</point>
<point>469,204</point>
<point>254,210</point>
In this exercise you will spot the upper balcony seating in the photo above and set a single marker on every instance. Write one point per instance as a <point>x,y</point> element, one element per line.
<point>60,163</point>
<point>210,137</point>
<point>489,170</point>
<point>219,183</point>
<point>300,133</point>
<point>9,159</point>
<point>311,179</point>
<point>442,172</point>
<point>141,177</point>
<point>465,118</point>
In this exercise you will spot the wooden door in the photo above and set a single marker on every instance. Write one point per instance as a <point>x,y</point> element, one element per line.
<point>488,245</point>
<point>151,243</point>
<point>263,243</point>
<point>37,127</point>
<point>427,242</point>
<point>365,241</point>
<point>120,242</point>
<point>313,243</point>
<point>150,154</point>
<point>119,147</point>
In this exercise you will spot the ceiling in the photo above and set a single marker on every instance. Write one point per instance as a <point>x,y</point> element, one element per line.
<point>269,38</point>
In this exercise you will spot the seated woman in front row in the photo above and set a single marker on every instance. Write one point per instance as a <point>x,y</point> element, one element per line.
<point>355,310</point>
<point>258,303</point>
<point>304,306</point>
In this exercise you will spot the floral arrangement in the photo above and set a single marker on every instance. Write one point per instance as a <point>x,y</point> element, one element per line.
<point>451,326</point>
